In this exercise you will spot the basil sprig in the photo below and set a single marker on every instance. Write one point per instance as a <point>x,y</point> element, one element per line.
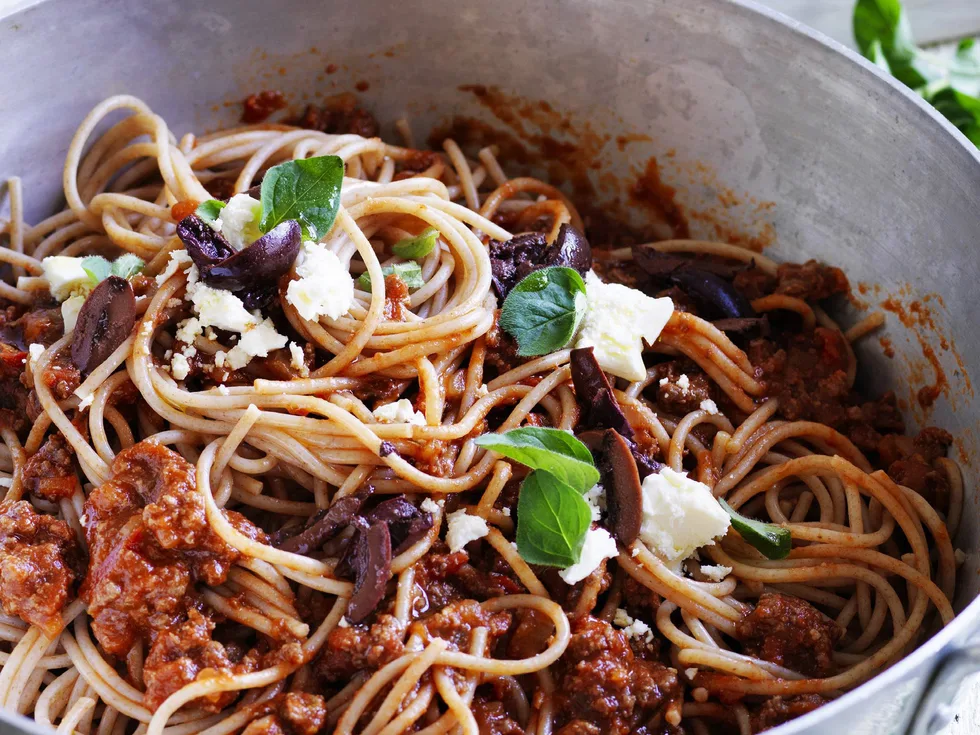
<point>544,310</point>
<point>418,246</point>
<point>950,84</point>
<point>552,521</point>
<point>306,190</point>
<point>209,210</point>
<point>775,542</point>
<point>410,272</point>
<point>553,450</point>
<point>98,268</point>
<point>552,514</point>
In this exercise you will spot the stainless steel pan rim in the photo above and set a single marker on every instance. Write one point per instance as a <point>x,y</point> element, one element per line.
<point>947,652</point>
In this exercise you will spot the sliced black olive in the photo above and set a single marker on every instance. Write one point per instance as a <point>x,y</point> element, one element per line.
<point>370,560</point>
<point>406,523</point>
<point>261,262</point>
<point>204,244</point>
<point>714,291</point>
<point>662,265</point>
<point>594,395</point>
<point>105,321</point>
<point>325,525</point>
<point>512,260</point>
<point>624,494</point>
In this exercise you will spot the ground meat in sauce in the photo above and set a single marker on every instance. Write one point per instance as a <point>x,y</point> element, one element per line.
<point>810,281</point>
<point>339,114</point>
<point>293,713</point>
<point>790,632</point>
<point>13,393</point>
<point>360,648</point>
<point>149,541</point>
<point>678,399</point>
<point>777,710</point>
<point>600,682</point>
<point>49,473</point>
<point>397,299</point>
<point>455,623</point>
<point>258,107</point>
<point>501,352</point>
<point>443,577</point>
<point>40,562</point>
<point>179,655</point>
<point>912,462</point>
<point>492,717</point>
<point>62,377</point>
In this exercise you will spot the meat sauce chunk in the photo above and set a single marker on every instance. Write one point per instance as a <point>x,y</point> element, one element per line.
<point>294,713</point>
<point>492,717</point>
<point>790,632</point>
<point>777,710</point>
<point>360,648</point>
<point>40,562</point>
<point>455,623</point>
<point>912,462</point>
<point>149,541</point>
<point>50,472</point>
<point>602,687</point>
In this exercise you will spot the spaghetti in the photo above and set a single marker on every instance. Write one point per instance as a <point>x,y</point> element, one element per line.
<point>156,576</point>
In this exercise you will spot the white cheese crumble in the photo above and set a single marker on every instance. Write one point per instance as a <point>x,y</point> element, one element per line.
<point>399,412</point>
<point>596,498</point>
<point>239,221</point>
<point>64,275</point>
<point>679,515</point>
<point>616,323</point>
<point>715,573</point>
<point>632,628</point>
<point>6,482</point>
<point>324,287</point>
<point>298,360</point>
<point>684,383</point>
<point>188,330</point>
<point>430,506</point>
<point>178,258</point>
<point>342,623</point>
<point>260,340</point>
<point>35,351</point>
<point>223,390</point>
<point>463,528</point>
<point>691,672</point>
<point>86,401</point>
<point>70,308</point>
<point>598,546</point>
<point>709,407</point>
<point>216,307</point>
<point>179,367</point>
<point>505,511</point>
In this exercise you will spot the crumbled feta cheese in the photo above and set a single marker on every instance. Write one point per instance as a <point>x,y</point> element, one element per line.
<point>463,528</point>
<point>223,390</point>
<point>216,307</point>
<point>430,506</point>
<point>709,407</point>
<point>210,335</point>
<point>482,391</point>
<point>188,330</point>
<point>679,515</point>
<point>70,308</point>
<point>324,288</point>
<point>298,360</point>
<point>239,221</point>
<point>173,303</point>
<point>237,358</point>
<point>399,412</point>
<point>636,629</point>
<point>505,511</point>
<point>599,545</point>
<point>6,482</point>
<point>342,623</point>
<point>64,275</point>
<point>596,498</point>
<point>35,351</point>
<point>616,323</point>
<point>715,573</point>
<point>691,672</point>
<point>179,367</point>
<point>86,401</point>
<point>260,339</point>
<point>684,383</point>
<point>178,258</point>
<point>219,358</point>
<point>959,556</point>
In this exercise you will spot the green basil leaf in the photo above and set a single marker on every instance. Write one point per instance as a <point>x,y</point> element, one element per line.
<point>553,450</point>
<point>410,272</point>
<point>97,267</point>
<point>127,266</point>
<point>209,210</point>
<point>306,190</point>
<point>775,542</point>
<point>544,310</point>
<point>552,521</point>
<point>418,246</point>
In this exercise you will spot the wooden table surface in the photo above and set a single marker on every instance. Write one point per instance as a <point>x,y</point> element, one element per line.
<point>933,21</point>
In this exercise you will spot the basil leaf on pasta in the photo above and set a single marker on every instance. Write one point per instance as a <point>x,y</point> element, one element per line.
<point>410,272</point>
<point>97,268</point>
<point>544,310</point>
<point>552,520</point>
<point>775,542</point>
<point>418,246</point>
<point>209,210</point>
<point>306,190</point>
<point>127,266</point>
<point>552,450</point>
